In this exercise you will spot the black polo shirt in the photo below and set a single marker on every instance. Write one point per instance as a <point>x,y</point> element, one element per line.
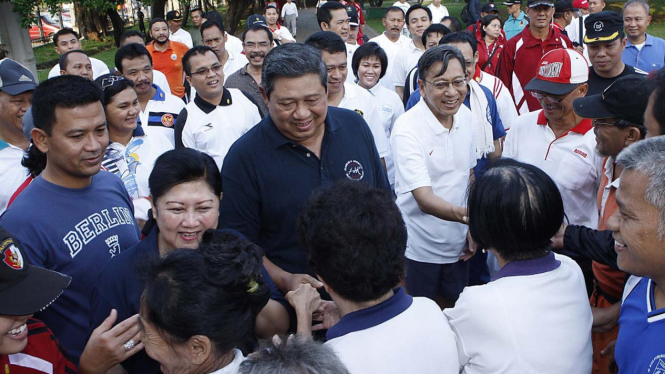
<point>598,84</point>
<point>268,178</point>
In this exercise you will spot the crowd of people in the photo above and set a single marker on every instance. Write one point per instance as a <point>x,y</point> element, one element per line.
<point>432,200</point>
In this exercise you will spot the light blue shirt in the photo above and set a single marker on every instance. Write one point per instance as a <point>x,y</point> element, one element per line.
<point>650,58</point>
<point>514,26</point>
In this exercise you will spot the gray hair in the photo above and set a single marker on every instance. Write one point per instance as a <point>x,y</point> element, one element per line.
<point>292,60</point>
<point>440,53</point>
<point>643,3</point>
<point>648,157</point>
<point>295,355</point>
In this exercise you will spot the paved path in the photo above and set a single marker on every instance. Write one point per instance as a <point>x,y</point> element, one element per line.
<point>307,25</point>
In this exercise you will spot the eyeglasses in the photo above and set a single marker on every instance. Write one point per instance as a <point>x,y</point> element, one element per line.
<point>204,71</point>
<point>442,85</point>
<point>110,81</point>
<point>252,45</point>
<point>553,99</point>
<point>598,122</point>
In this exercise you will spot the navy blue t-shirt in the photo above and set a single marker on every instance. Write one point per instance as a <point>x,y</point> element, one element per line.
<point>268,179</point>
<point>120,287</point>
<point>74,232</point>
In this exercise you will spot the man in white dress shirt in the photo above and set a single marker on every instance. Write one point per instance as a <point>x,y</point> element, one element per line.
<point>214,36</point>
<point>391,40</point>
<point>67,40</point>
<point>418,19</point>
<point>176,33</point>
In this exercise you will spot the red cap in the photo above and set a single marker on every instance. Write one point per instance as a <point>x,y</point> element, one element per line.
<point>581,4</point>
<point>559,72</point>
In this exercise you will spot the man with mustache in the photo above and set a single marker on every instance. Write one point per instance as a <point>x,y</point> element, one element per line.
<point>167,55</point>
<point>391,40</point>
<point>159,109</point>
<point>217,116</point>
<point>257,41</point>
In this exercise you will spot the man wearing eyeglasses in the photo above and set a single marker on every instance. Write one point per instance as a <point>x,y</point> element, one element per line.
<point>558,140</point>
<point>434,151</point>
<point>217,116</point>
<point>257,41</point>
<point>159,109</point>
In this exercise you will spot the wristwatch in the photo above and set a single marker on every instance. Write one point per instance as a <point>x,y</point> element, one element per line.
<point>279,38</point>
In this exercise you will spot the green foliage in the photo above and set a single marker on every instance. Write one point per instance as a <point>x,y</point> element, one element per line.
<point>26,8</point>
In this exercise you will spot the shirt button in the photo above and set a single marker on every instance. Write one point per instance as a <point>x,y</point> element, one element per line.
<point>309,154</point>
<point>293,145</point>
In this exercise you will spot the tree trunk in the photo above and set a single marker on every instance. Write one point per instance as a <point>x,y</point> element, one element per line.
<point>235,13</point>
<point>118,25</point>
<point>86,22</point>
<point>158,8</point>
<point>185,15</point>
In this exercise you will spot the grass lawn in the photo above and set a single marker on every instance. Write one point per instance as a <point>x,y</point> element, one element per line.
<point>657,27</point>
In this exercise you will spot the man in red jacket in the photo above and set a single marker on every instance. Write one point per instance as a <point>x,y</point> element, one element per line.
<point>526,49</point>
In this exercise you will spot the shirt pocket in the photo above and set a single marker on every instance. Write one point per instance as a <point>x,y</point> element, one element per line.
<point>573,172</point>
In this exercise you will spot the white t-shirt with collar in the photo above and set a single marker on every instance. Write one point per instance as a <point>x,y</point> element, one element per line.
<point>235,62</point>
<point>428,154</point>
<point>283,32</point>
<point>360,101</point>
<point>388,108</point>
<point>212,129</point>
<point>391,48</point>
<point>350,49</point>
<point>234,366</point>
<point>12,173</point>
<point>438,12</point>
<point>182,36</point>
<point>528,319</point>
<point>160,113</point>
<point>570,160</point>
<point>405,60</point>
<point>99,68</point>
<point>233,44</point>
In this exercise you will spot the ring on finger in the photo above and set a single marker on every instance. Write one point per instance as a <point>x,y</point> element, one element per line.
<point>129,345</point>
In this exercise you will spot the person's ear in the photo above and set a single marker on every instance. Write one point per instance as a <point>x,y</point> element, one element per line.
<point>584,88</point>
<point>476,56</point>
<point>325,284</point>
<point>40,139</point>
<point>263,93</point>
<point>188,79</point>
<point>623,43</point>
<point>153,207</point>
<point>199,348</point>
<point>324,26</point>
<point>632,136</point>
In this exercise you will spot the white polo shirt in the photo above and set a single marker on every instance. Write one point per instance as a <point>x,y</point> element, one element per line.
<point>391,48</point>
<point>428,154</point>
<point>438,12</point>
<point>212,129</point>
<point>160,113</point>
<point>350,49</point>
<point>388,108</point>
<point>133,163</point>
<point>401,335</point>
<point>570,160</point>
<point>235,62</point>
<point>233,44</point>
<point>182,36</point>
<point>12,173</point>
<point>360,101</point>
<point>99,68</point>
<point>533,317</point>
<point>283,32</point>
<point>405,60</point>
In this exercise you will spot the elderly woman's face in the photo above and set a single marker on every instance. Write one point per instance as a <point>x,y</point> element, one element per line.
<point>184,213</point>
<point>173,359</point>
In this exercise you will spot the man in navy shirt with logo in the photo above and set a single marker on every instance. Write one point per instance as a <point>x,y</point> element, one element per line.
<point>271,171</point>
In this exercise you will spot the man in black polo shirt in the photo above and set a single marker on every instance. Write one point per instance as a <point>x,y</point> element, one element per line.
<point>271,171</point>
<point>605,41</point>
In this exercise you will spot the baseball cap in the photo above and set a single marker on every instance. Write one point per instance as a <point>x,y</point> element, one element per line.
<point>489,7</point>
<point>626,98</point>
<point>272,5</point>
<point>353,20</point>
<point>15,78</point>
<point>564,6</point>
<point>173,15</point>
<point>559,72</point>
<point>581,4</point>
<point>535,3</point>
<point>256,19</point>
<point>25,289</point>
<point>603,27</point>
<point>512,2</point>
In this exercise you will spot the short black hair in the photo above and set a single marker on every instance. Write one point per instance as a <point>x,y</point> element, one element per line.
<point>370,49</point>
<point>130,52</point>
<point>214,16</point>
<point>257,27</point>
<point>455,24</point>
<point>324,14</point>
<point>197,50</point>
<point>392,9</point>
<point>355,238</point>
<point>460,37</point>
<point>657,79</point>
<point>65,92</point>
<point>327,41</point>
<point>435,28</point>
<point>64,31</point>
<point>486,21</point>
<point>514,208</point>
<point>130,33</point>
<point>216,291</point>
<point>197,9</point>
<point>182,165</point>
<point>156,20</point>
<point>416,7</point>
<point>440,53</point>
<point>210,23</point>
<point>292,60</point>
<point>64,58</point>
